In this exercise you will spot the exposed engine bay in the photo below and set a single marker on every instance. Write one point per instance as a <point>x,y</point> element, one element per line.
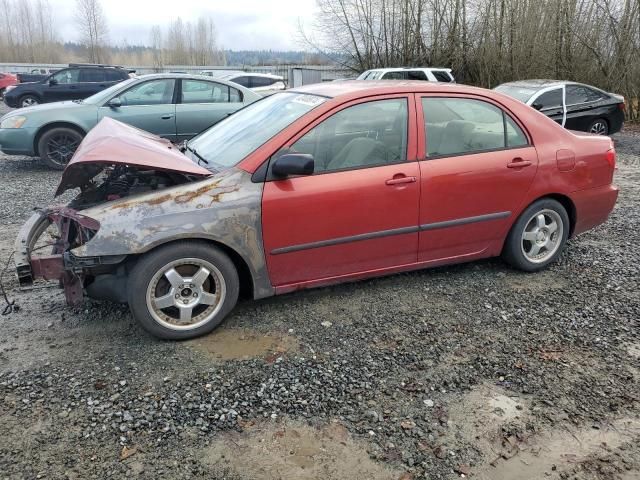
<point>114,182</point>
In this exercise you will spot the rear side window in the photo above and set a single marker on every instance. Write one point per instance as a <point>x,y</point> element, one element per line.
<point>551,99</point>
<point>577,94</point>
<point>441,76</point>
<point>93,75</point>
<point>394,76</point>
<point>416,75</point>
<point>114,75</point>
<point>262,81</point>
<point>196,91</point>
<point>456,126</point>
<point>244,81</point>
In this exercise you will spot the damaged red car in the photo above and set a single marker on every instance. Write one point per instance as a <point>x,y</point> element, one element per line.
<point>314,186</point>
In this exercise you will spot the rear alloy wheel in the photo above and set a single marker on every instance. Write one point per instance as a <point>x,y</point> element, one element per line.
<point>599,127</point>
<point>183,290</point>
<point>57,146</point>
<point>29,101</point>
<point>538,236</point>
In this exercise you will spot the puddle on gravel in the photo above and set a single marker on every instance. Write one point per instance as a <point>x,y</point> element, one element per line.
<point>292,450</point>
<point>549,454</point>
<point>241,344</point>
<point>540,282</point>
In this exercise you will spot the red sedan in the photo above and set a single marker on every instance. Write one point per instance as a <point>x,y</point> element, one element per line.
<point>314,186</point>
<point>7,80</point>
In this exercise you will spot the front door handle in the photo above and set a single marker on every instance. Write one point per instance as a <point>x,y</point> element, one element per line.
<point>518,163</point>
<point>166,117</point>
<point>400,179</point>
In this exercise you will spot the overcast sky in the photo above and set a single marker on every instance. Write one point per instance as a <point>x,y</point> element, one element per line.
<point>241,24</point>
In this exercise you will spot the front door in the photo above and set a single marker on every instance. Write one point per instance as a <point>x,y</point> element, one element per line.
<point>359,211</point>
<point>62,85</point>
<point>203,104</point>
<point>478,166</point>
<point>551,102</point>
<point>148,106</point>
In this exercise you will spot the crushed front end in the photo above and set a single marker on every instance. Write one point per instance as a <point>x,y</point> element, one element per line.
<point>42,250</point>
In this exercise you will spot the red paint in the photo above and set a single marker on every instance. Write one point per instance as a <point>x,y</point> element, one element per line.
<point>7,80</point>
<point>302,210</point>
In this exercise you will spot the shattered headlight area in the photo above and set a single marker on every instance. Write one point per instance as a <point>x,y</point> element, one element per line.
<point>43,246</point>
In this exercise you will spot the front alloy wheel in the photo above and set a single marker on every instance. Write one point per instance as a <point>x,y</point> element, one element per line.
<point>182,290</point>
<point>57,146</point>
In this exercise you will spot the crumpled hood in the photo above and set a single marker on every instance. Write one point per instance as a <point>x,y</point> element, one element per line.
<point>113,142</point>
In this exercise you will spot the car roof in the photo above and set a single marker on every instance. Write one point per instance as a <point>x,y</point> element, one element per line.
<point>362,88</point>
<point>248,74</point>
<point>538,83</point>
<point>400,69</point>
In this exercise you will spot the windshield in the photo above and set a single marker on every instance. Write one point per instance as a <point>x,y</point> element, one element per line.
<point>231,140</point>
<point>519,93</point>
<point>106,94</point>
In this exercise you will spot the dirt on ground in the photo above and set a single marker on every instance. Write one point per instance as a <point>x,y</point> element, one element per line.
<point>474,370</point>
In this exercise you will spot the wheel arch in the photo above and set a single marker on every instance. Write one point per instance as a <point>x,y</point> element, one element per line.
<point>247,285</point>
<point>563,199</point>
<point>57,124</point>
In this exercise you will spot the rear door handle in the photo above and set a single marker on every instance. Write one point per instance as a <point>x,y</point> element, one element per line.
<point>166,117</point>
<point>400,179</point>
<point>518,163</point>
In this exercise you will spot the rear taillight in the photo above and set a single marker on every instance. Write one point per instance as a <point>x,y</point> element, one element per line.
<point>611,157</point>
<point>621,106</point>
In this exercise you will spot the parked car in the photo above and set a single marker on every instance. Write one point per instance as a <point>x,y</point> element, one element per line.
<point>258,82</point>
<point>573,105</point>
<point>6,80</point>
<point>35,74</point>
<point>405,73</point>
<point>74,83</point>
<point>173,106</point>
<point>323,184</point>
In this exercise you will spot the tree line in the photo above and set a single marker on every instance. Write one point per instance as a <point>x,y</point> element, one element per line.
<point>488,42</point>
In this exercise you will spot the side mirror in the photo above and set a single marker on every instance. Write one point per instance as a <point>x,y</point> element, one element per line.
<point>115,102</point>
<point>537,106</point>
<point>293,164</point>
<point>53,81</point>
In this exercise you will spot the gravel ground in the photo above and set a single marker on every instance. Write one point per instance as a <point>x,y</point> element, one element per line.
<point>473,370</point>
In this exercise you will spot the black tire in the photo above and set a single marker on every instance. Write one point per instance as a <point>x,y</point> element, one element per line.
<point>599,126</point>
<point>57,145</point>
<point>147,280</point>
<point>28,101</point>
<point>517,249</point>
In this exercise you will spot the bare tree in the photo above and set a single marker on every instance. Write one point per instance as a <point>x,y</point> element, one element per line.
<point>93,28</point>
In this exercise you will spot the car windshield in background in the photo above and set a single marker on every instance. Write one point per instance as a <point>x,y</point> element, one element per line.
<point>231,140</point>
<point>519,93</point>
<point>107,93</point>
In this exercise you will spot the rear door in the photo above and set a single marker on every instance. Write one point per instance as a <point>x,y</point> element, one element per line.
<point>92,80</point>
<point>358,212</point>
<point>202,104</point>
<point>148,105</point>
<point>583,107</point>
<point>477,166</point>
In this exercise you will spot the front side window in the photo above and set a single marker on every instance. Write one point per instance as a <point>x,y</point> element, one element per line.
<point>154,92</point>
<point>67,76</point>
<point>196,91</point>
<point>113,75</point>
<point>456,126</point>
<point>551,99</point>
<point>364,135</point>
